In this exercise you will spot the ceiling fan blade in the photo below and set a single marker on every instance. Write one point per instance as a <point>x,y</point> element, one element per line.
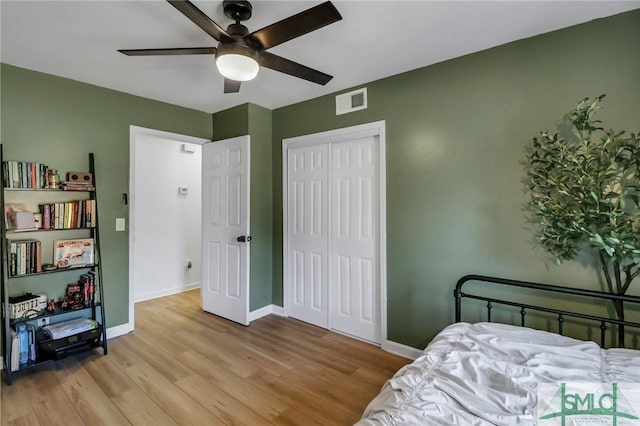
<point>278,63</point>
<point>231,86</point>
<point>198,17</point>
<point>295,26</point>
<point>170,51</point>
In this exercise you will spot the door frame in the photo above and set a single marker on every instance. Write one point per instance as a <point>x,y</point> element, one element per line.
<point>377,128</point>
<point>134,133</point>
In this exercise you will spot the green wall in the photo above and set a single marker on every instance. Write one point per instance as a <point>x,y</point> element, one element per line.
<point>455,138</point>
<point>58,122</point>
<point>260,130</point>
<point>255,121</point>
<point>231,122</point>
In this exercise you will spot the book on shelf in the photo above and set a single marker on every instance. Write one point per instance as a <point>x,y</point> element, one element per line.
<point>78,252</point>
<point>88,284</point>
<point>21,174</point>
<point>77,186</point>
<point>68,215</point>
<point>13,262</point>
<point>25,257</point>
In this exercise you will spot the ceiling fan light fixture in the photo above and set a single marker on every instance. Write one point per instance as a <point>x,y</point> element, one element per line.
<point>237,67</point>
<point>240,53</point>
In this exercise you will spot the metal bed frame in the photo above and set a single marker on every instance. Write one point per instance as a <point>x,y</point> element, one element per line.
<point>604,322</point>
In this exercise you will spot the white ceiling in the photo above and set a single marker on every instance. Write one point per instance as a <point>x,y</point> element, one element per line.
<point>375,39</point>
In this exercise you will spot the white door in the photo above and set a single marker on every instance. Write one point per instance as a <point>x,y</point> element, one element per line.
<point>333,227</point>
<point>225,221</point>
<point>307,231</point>
<point>353,240</point>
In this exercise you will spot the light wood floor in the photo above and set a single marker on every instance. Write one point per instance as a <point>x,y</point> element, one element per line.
<point>183,366</point>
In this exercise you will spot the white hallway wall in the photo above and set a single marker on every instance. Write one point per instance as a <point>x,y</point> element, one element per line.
<point>167,223</point>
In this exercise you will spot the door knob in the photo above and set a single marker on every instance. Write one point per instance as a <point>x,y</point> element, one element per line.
<point>244,238</point>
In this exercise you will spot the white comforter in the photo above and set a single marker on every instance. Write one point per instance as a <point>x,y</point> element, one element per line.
<point>480,374</point>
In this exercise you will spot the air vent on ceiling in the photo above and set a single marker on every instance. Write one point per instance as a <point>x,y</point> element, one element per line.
<point>351,101</point>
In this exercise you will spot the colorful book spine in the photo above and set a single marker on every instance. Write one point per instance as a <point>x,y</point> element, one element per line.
<point>25,257</point>
<point>20,174</point>
<point>12,258</point>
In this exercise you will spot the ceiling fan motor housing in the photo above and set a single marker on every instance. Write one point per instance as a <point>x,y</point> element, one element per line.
<point>237,31</point>
<point>237,10</point>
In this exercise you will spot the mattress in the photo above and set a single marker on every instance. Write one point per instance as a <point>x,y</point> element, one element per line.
<point>487,373</point>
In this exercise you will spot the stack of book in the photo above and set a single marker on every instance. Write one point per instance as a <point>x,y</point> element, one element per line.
<point>77,186</point>
<point>88,284</point>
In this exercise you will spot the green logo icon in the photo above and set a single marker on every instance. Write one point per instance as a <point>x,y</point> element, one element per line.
<point>587,403</point>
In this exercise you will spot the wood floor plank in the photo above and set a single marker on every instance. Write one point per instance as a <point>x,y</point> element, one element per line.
<point>305,400</point>
<point>168,365</point>
<point>90,401</point>
<point>222,405</point>
<point>16,404</point>
<point>140,410</point>
<point>50,403</point>
<point>369,375</point>
<point>240,355</point>
<point>53,407</point>
<point>208,346</point>
<point>109,377</point>
<point>294,417</point>
<point>27,420</point>
<point>182,409</point>
<point>183,366</point>
<point>268,406</point>
<point>122,356</point>
<point>297,341</point>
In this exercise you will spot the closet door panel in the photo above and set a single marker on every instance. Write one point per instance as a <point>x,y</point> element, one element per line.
<point>307,229</point>
<point>353,238</point>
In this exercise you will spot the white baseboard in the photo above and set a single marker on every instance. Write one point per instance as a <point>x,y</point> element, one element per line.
<point>166,292</point>
<point>266,310</point>
<point>118,330</point>
<point>401,350</point>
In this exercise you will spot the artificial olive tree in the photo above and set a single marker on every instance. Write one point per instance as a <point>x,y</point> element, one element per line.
<point>585,192</point>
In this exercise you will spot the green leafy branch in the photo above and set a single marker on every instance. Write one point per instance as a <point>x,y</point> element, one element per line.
<point>585,191</point>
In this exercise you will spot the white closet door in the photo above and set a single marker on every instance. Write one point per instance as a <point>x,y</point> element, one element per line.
<point>307,230</point>
<point>354,238</point>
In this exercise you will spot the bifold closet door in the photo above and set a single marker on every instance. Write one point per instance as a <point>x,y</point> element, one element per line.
<point>307,234</point>
<point>354,238</point>
<point>332,265</point>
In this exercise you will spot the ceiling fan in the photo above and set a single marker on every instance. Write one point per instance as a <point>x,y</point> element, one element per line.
<point>239,54</point>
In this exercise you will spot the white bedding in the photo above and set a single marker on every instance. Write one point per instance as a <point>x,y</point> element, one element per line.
<point>485,373</point>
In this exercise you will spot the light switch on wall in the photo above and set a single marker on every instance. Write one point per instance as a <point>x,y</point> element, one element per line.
<point>120,224</point>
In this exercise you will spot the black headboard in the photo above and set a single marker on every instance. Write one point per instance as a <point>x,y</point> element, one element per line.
<point>604,322</point>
